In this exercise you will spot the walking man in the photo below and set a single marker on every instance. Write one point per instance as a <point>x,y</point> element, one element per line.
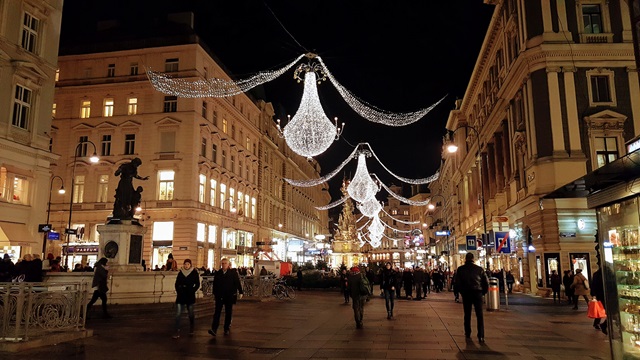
<point>226,290</point>
<point>358,295</point>
<point>99,285</point>
<point>472,283</point>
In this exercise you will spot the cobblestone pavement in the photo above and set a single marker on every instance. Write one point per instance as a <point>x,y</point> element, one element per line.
<point>317,325</point>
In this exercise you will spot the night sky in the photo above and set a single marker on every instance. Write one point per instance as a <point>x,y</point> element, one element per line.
<point>398,55</point>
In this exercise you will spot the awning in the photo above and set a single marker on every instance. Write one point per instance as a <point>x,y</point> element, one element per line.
<point>14,232</point>
<point>620,171</point>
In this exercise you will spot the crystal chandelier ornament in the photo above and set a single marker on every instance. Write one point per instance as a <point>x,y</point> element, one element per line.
<point>370,207</point>
<point>310,132</point>
<point>362,187</point>
<point>376,227</point>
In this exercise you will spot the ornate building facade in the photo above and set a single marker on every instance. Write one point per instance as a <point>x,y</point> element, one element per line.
<point>554,95</point>
<point>215,165</point>
<point>29,37</point>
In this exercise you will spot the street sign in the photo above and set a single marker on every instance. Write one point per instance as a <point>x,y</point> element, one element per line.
<point>503,243</point>
<point>443,233</point>
<point>71,231</point>
<point>472,243</point>
<point>44,227</point>
<point>53,235</point>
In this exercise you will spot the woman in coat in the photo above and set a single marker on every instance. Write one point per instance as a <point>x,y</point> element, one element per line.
<point>187,283</point>
<point>555,285</point>
<point>388,286</point>
<point>581,288</point>
<point>567,280</point>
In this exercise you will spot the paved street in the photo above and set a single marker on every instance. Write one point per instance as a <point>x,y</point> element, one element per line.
<point>317,325</point>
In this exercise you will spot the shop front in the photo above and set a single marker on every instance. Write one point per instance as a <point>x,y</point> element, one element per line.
<point>85,254</point>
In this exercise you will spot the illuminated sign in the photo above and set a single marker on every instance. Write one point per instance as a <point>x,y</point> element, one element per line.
<point>443,233</point>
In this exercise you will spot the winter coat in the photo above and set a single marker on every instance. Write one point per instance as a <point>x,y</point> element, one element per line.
<point>100,276</point>
<point>355,280</point>
<point>187,283</point>
<point>597,286</point>
<point>471,278</point>
<point>388,279</point>
<point>407,279</point>
<point>7,270</point>
<point>418,277</point>
<point>226,285</point>
<point>555,282</point>
<point>567,281</point>
<point>578,285</point>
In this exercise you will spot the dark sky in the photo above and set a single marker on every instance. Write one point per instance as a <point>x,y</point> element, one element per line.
<point>398,55</point>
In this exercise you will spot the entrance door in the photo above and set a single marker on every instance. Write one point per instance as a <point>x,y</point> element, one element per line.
<point>551,263</point>
<point>580,261</point>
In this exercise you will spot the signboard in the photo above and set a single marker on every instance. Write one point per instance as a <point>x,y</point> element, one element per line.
<point>53,236</point>
<point>44,227</point>
<point>503,243</point>
<point>443,233</point>
<point>82,249</point>
<point>472,243</point>
<point>500,219</point>
<point>71,231</point>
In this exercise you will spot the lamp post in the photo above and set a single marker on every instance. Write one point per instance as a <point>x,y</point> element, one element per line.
<point>452,148</point>
<point>94,159</point>
<point>60,191</point>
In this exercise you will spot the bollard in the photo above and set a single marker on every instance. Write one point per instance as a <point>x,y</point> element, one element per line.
<point>493,296</point>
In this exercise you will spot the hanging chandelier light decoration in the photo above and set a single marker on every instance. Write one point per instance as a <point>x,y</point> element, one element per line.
<point>310,132</point>
<point>214,87</point>
<point>362,187</point>
<point>376,226</point>
<point>373,113</point>
<point>401,198</point>
<point>370,207</point>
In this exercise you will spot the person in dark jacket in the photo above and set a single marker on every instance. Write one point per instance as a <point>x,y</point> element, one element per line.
<point>597,291</point>
<point>7,269</point>
<point>418,279</point>
<point>357,297</point>
<point>388,284</point>
<point>299,276</point>
<point>407,282</point>
<point>472,283</point>
<point>398,282</point>
<point>226,290</point>
<point>456,293</point>
<point>555,285</point>
<point>567,280</point>
<point>187,283</point>
<point>344,285</point>
<point>371,276</point>
<point>99,285</point>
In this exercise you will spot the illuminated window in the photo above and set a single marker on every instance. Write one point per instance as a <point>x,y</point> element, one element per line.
<point>132,106</point>
<point>53,111</point>
<point>223,194</point>
<point>224,126</point>
<point>248,144</point>
<point>212,193</point>
<point>78,189</point>
<point>85,109</point>
<point>212,234</point>
<point>202,182</point>
<point>30,28</point>
<point>592,18</point>
<point>200,232</point>
<point>162,230</point>
<point>57,78</point>
<point>21,107</point>
<point>166,184</point>
<point>232,199</point>
<point>246,205</point>
<point>4,186</point>
<point>20,190</point>
<point>108,107</point>
<point>239,202</point>
<point>103,188</point>
<point>253,208</point>
<point>606,150</point>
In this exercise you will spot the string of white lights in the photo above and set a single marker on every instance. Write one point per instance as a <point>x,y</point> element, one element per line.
<point>361,217</point>
<point>373,113</point>
<point>214,87</point>
<point>390,238</point>
<point>404,179</point>
<point>394,229</point>
<point>314,182</point>
<point>365,224</point>
<point>362,187</point>
<point>370,207</point>
<point>333,204</point>
<point>398,220</point>
<point>401,198</point>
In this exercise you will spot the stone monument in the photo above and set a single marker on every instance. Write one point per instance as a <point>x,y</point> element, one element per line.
<point>121,238</point>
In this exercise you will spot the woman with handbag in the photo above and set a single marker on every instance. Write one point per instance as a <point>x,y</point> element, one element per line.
<point>581,288</point>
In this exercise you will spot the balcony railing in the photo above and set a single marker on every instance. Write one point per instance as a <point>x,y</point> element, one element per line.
<point>602,38</point>
<point>37,309</point>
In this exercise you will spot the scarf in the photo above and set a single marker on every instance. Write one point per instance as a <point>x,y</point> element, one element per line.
<point>186,272</point>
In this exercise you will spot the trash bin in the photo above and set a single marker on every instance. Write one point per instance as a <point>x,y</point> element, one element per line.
<point>493,296</point>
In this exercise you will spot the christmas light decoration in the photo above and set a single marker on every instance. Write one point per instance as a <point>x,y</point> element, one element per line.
<point>371,112</point>
<point>333,204</point>
<point>310,132</point>
<point>370,207</point>
<point>394,229</point>
<point>314,182</point>
<point>404,179</point>
<point>401,198</point>
<point>398,220</point>
<point>214,87</point>
<point>362,187</point>
<point>376,227</point>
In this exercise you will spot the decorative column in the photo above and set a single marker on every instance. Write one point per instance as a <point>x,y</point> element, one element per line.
<point>634,91</point>
<point>575,145</point>
<point>555,112</point>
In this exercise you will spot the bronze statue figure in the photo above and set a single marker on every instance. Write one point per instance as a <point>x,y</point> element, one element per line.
<point>127,198</point>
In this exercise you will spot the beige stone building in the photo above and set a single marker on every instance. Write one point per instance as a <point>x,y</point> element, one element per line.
<point>215,165</point>
<point>29,36</point>
<point>554,95</point>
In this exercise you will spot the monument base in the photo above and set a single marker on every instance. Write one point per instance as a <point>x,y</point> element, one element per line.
<point>121,243</point>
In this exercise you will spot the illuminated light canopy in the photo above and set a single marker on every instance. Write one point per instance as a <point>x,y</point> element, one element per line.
<point>370,207</point>
<point>401,198</point>
<point>318,181</point>
<point>214,87</point>
<point>333,204</point>
<point>376,227</point>
<point>362,187</point>
<point>310,132</point>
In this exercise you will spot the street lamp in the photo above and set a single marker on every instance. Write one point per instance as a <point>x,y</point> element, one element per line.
<point>93,159</point>
<point>452,148</point>
<point>60,191</point>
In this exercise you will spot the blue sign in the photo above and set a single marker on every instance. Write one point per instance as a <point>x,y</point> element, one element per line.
<point>503,242</point>
<point>472,243</point>
<point>443,233</point>
<point>53,236</point>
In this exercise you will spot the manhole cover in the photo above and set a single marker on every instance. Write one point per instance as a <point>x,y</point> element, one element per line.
<point>267,351</point>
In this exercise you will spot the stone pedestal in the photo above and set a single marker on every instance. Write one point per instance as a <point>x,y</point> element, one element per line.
<point>122,245</point>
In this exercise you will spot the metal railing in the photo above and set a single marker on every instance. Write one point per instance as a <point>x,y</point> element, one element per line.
<point>37,309</point>
<point>251,288</point>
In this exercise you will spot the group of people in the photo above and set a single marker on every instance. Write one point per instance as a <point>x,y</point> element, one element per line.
<point>28,269</point>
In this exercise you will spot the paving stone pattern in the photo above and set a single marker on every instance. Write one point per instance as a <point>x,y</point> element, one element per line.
<point>317,325</point>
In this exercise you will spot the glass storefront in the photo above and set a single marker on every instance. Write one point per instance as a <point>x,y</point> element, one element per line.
<point>13,251</point>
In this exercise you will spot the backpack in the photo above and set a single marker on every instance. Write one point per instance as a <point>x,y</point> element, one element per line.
<point>365,287</point>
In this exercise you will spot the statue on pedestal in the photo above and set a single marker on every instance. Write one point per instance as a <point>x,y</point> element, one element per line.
<point>127,198</point>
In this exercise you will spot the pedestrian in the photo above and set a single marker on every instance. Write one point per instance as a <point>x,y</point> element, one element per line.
<point>597,291</point>
<point>172,265</point>
<point>398,282</point>
<point>418,279</point>
<point>426,286</point>
<point>371,276</point>
<point>580,286</point>
<point>263,272</point>
<point>510,281</point>
<point>567,280</point>
<point>388,287</point>
<point>187,283</point>
<point>555,285</point>
<point>144,265</point>
<point>99,285</point>
<point>407,280</point>
<point>344,285</point>
<point>7,269</point>
<point>472,283</point>
<point>299,282</point>
<point>456,293</point>
<point>226,290</point>
<point>358,297</point>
